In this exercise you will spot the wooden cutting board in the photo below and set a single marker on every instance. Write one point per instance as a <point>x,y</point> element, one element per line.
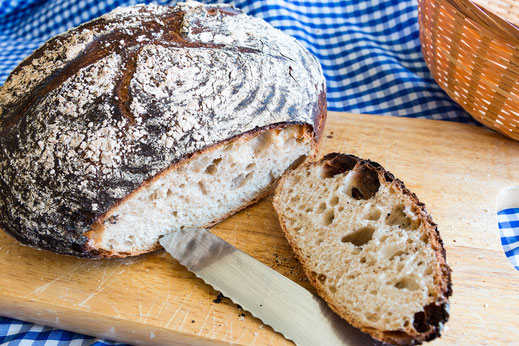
<point>457,170</point>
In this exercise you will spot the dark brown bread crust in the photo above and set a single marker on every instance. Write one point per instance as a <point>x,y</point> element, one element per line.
<point>430,321</point>
<point>90,117</point>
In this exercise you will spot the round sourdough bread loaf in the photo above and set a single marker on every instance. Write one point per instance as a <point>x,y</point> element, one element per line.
<point>148,119</point>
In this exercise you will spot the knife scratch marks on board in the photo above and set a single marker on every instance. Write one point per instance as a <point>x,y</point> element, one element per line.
<point>177,310</point>
<point>271,338</point>
<point>166,301</point>
<point>103,283</point>
<point>148,314</point>
<point>118,313</point>
<point>183,321</point>
<point>256,334</point>
<point>39,290</point>
<point>229,330</point>
<point>205,320</point>
<point>254,340</point>
<point>239,337</point>
<point>217,331</point>
<point>234,232</point>
<point>214,329</point>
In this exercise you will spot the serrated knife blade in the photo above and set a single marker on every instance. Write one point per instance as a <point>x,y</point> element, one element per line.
<point>277,301</point>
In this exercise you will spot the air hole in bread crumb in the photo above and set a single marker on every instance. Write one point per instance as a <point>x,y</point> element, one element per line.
<point>154,195</point>
<point>398,217</point>
<point>355,193</point>
<point>211,169</point>
<point>328,218</point>
<point>180,186</point>
<point>272,178</point>
<point>341,208</point>
<point>241,180</point>
<point>169,193</point>
<point>297,162</point>
<point>373,214</point>
<point>372,317</point>
<point>396,254</point>
<point>265,142</point>
<point>321,278</point>
<point>334,200</point>
<point>201,185</point>
<point>321,208</point>
<point>428,271</point>
<point>407,283</point>
<point>333,289</point>
<point>360,237</point>
<point>250,166</point>
<point>130,241</point>
<point>406,324</point>
<point>363,260</point>
<point>174,213</point>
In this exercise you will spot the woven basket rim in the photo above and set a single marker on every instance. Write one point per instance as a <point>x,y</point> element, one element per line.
<point>494,24</point>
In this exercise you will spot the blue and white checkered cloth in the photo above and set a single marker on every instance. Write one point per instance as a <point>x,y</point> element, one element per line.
<point>369,50</point>
<point>508,220</point>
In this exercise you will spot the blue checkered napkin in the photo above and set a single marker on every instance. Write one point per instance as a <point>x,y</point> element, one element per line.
<point>14,332</point>
<point>508,220</point>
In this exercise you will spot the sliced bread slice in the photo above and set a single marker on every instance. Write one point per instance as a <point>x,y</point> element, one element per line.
<point>368,246</point>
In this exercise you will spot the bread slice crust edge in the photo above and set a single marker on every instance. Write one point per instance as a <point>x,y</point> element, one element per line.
<point>430,321</point>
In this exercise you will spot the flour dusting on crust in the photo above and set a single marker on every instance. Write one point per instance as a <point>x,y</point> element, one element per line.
<point>102,108</point>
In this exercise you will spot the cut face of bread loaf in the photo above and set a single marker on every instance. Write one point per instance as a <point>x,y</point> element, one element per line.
<point>368,246</point>
<point>201,191</point>
<point>124,114</point>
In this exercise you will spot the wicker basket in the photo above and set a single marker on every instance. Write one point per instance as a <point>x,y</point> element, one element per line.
<point>473,54</point>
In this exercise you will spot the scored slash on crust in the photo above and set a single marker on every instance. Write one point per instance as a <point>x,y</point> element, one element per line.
<point>101,109</point>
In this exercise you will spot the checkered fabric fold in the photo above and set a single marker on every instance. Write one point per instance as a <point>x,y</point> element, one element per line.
<point>369,50</point>
<point>14,332</point>
<point>508,220</point>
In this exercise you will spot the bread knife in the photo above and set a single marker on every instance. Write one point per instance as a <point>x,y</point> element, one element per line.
<point>277,301</point>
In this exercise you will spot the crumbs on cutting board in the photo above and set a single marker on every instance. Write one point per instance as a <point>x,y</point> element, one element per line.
<point>219,298</point>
